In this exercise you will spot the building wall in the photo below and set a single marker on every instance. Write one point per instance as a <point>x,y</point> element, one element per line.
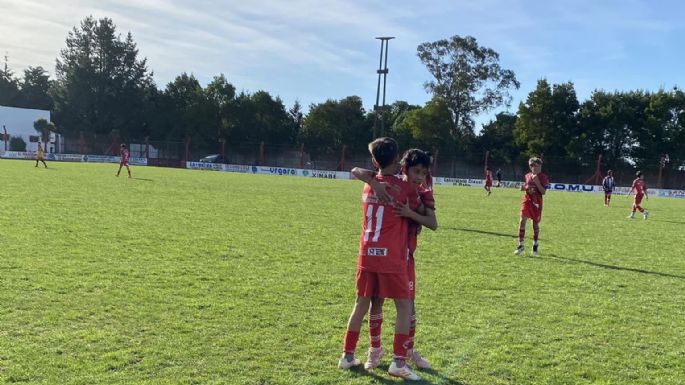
<point>19,122</point>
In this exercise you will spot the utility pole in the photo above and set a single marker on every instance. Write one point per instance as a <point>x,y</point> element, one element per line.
<point>382,72</point>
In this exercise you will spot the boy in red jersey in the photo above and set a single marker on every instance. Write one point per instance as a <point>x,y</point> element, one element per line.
<point>415,165</point>
<point>488,181</point>
<point>124,160</point>
<point>640,188</point>
<point>535,186</point>
<point>382,260</point>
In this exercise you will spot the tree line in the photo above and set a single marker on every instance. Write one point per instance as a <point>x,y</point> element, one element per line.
<point>103,87</point>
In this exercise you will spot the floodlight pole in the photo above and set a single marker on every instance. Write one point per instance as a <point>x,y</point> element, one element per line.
<point>382,72</point>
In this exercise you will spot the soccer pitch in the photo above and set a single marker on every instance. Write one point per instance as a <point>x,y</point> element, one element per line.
<point>191,277</point>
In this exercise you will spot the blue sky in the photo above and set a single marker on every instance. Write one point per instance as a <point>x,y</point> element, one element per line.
<point>311,50</point>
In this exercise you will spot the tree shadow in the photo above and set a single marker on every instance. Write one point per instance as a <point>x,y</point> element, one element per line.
<point>510,235</point>
<point>610,267</point>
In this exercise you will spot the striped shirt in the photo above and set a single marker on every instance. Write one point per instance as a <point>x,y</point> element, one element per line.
<point>608,183</point>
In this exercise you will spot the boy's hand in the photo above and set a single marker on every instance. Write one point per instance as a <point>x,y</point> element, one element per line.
<point>380,189</point>
<point>403,209</point>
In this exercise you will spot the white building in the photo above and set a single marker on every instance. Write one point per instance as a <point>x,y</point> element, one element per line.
<point>18,122</point>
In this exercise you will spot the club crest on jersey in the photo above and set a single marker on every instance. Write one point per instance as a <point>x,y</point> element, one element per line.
<point>377,251</point>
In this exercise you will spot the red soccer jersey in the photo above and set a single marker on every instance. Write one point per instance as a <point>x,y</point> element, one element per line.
<point>533,195</point>
<point>124,155</point>
<point>488,176</point>
<point>429,181</point>
<point>383,241</point>
<point>639,186</point>
<point>428,201</point>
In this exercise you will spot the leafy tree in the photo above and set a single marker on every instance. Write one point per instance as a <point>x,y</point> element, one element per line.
<point>101,83</point>
<point>332,124</point>
<point>43,127</point>
<point>547,123</point>
<point>663,131</point>
<point>17,144</point>
<point>35,88</point>
<point>427,127</point>
<point>9,88</point>
<point>497,136</point>
<point>468,78</point>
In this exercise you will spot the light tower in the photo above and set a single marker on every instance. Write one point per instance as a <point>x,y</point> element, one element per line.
<point>382,72</point>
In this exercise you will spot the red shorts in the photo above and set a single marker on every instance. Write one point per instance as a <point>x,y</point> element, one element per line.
<point>488,183</point>
<point>382,285</point>
<point>411,276</point>
<point>638,199</point>
<point>123,163</point>
<point>528,210</point>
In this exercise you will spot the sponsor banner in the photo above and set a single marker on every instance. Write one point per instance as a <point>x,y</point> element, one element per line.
<point>265,170</point>
<point>113,159</point>
<point>204,166</point>
<point>323,174</point>
<point>574,187</point>
<point>64,157</point>
<point>670,193</point>
<point>19,155</point>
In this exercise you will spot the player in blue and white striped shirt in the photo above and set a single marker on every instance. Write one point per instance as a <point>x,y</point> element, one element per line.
<point>608,185</point>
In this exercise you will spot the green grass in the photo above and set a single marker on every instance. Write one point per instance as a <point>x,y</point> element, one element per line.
<point>191,277</point>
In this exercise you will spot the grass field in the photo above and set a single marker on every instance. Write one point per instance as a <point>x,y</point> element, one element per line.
<point>191,277</point>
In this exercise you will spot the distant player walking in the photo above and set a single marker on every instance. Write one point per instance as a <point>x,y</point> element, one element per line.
<point>498,174</point>
<point>124,160</point>
<point>608,186</point>
<point>488,181</point>
<point>40,155</point>
<point>640,188</point>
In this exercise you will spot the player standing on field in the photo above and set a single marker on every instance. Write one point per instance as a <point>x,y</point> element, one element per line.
<point>382,259</point>
<point>40,155</point>
<point>535,186</point>
<point>124,160</point>
<point>608,186</point>
<point>640,188</point>
<point>488,181</point>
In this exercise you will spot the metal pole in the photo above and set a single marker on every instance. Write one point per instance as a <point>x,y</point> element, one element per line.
<point>382,71</point>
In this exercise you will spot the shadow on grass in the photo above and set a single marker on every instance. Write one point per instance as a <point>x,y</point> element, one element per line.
<point>511,235</point>
<point>381,376</point>
<point>143,179</point>
<point>667,221</point>
<point>610,267</point>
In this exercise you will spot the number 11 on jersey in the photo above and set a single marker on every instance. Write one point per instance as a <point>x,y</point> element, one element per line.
<point>369,222</point>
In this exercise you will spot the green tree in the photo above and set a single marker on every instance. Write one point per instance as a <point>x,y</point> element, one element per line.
<point>35,89</point>
<point>335,123</point>
<point>427,127</point>
<point>547,123</point>
<point>468,78</point>
<point>663,131</point>
<point>17,144</point>
<point>497,136</point>
<point>101,84</point>
<point>9,88</point>
<point>43,127</point>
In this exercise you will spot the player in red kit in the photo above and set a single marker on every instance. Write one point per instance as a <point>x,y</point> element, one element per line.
<point>488,181</point>
<point>535,186</point>
<point>382,259</point>
<point>640,188</point>
<point>415,169</point>
<point>123,152</point>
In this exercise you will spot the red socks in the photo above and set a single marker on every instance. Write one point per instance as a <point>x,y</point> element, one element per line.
<point>350,341</point>
<point>375,323</point>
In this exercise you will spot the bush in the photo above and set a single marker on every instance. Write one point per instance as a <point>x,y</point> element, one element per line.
<point>17,144</point>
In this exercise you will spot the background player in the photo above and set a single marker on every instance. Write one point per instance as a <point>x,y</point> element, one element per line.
<point>640,188</point>
<point>608,186</point>
<point>124,160</point>
<point>488,181</point>
<point>40,155</point>
<point>535,186</point>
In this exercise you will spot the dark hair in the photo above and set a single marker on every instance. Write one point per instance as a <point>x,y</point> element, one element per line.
<point>638,174</point>
<point>487,169</point>
<point>384,151</point>
<point>123,145</point>
<point>415,157</point>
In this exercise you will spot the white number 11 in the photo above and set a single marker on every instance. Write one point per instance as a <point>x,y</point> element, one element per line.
<point>369,222</point>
